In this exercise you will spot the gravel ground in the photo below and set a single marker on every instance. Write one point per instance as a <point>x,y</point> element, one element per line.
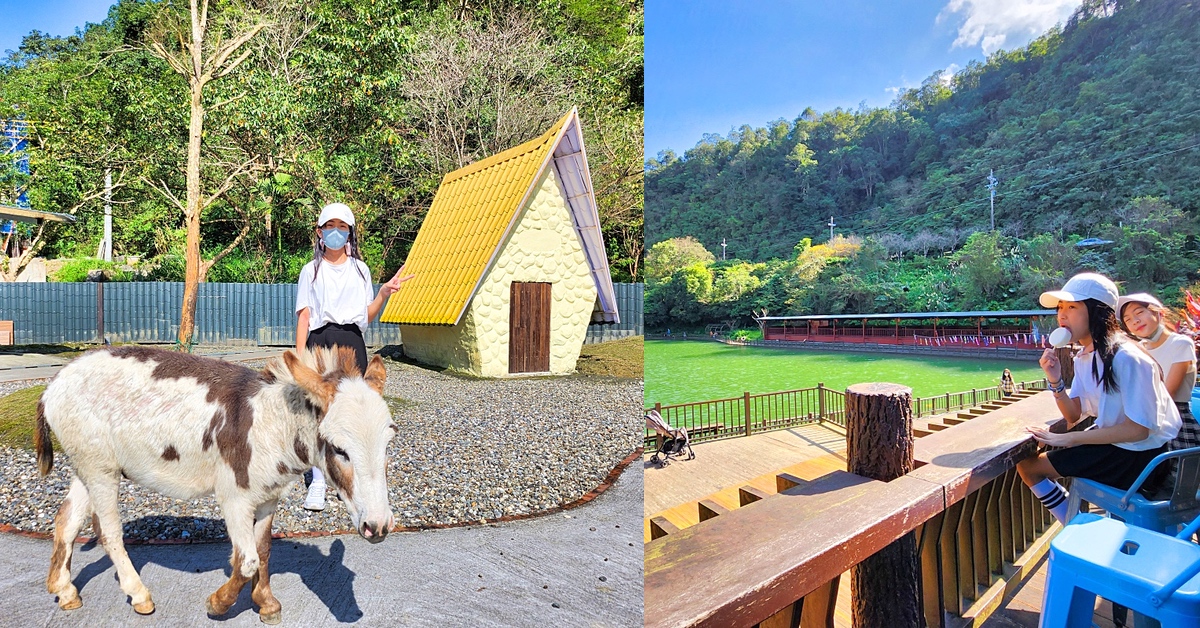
<point>467,450</point>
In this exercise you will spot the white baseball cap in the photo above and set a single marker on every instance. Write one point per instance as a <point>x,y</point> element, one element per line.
<point>1083,286</point>
<point>340,211</point>
<point>1140,297</point>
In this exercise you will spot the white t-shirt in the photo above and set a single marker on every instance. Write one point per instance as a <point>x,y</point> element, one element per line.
<point>339,294</point>
<point>1177,348</point>
<point>1142,396</point>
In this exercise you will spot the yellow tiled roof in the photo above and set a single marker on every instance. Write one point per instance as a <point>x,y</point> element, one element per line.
<point>470,215</point>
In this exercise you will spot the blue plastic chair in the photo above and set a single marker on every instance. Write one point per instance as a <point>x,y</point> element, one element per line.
<point>1160,515</point>
<point>1154,574</point>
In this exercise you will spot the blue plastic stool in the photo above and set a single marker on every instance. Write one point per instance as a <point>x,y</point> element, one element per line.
<point>1151,573</point>
<point>1132,507</point>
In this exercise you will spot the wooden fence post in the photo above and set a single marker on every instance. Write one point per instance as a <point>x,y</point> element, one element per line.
<point>821,401</point>
<point>879,445</point>
<point>746,412</point>
<point>658,438</point>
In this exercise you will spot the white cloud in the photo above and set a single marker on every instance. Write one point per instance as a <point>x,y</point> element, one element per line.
<point>996,24</point>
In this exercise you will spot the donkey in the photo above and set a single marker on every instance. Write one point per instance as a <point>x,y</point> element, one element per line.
<point>189,426</point>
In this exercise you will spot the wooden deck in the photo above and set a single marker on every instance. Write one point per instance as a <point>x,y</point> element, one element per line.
<point>735,461</point>
<point>1024,608</point>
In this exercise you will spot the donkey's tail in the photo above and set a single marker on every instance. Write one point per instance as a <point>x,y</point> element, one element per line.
<point>41,442</point>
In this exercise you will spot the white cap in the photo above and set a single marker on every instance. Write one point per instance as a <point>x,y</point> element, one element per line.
<point>1140,297</point>
<point>340,211</point>
<point>1083,286</point>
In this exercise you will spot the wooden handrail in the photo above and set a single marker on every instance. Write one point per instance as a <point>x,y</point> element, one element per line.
<point>740,568</point>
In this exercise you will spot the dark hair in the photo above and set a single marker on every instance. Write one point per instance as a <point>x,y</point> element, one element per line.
<point>1106,336</point>
<point>351,250</point>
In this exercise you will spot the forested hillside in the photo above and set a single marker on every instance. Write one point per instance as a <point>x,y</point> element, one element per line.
<point>1093,131</point>
<point>1075,125</point>
<point>369,103</point>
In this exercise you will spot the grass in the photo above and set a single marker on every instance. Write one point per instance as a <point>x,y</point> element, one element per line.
<point>682,372</point>
<point>618,358</point>
<point>18,416</point>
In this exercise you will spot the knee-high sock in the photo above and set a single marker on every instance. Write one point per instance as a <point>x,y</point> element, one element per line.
<point>1053,497</point>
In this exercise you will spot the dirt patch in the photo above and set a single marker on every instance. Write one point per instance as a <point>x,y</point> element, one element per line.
<point>618,358</point>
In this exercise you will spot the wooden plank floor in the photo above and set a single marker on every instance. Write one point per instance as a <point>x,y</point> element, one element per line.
<point>733,462</point>
<point>1025,608</point>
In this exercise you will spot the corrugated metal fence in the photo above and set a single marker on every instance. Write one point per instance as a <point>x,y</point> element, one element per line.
<point>226,313</point>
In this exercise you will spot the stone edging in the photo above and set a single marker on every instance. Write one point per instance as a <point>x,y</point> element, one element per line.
<point>604,485</point>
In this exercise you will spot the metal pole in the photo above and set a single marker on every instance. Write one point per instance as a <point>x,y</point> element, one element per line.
<point>107,215</point>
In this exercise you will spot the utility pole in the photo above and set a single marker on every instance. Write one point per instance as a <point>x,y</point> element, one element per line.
<point>722,249</point>
<point>992,181</point>
<point>831,226</point>
<point>107,215</point>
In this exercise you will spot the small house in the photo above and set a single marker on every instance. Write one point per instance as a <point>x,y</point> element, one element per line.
<point>509,264</point>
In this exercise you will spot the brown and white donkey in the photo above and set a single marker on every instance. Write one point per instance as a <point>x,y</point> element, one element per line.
<point>189,426</point>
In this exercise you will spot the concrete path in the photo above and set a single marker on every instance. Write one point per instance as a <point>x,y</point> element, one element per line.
<point>578,568</point>
<point>17,367</point>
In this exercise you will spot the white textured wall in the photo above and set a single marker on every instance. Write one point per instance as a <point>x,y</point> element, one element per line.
<point>543,247</point>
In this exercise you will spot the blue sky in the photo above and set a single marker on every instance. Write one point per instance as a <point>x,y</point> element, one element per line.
<point>57,17</point>
<point>713,65</point>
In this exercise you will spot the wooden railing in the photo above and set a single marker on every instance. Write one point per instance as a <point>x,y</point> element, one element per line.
<point>778,560</point>
<point>751,413</point>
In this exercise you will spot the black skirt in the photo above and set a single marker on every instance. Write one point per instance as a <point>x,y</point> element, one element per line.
<point>1108,464</point>
<point>333,334</point>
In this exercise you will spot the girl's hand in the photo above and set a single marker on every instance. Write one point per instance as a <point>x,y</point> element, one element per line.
<point>1049,363</point>
<point>393,284</point>
<point>1046,437</point>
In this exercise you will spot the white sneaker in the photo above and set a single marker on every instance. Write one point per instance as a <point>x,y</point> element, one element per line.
<point>316,496</point>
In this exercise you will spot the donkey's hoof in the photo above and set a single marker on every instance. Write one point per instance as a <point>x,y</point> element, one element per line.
<point>271,618</point>
<point>145,608</point>
<point>214,607</point>
<point>71,604</point>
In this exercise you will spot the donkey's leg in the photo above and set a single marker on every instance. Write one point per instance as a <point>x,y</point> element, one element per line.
<point>103,489</point>
<point>70,519</point>
<point>268,607</point>
<point>239,522</point>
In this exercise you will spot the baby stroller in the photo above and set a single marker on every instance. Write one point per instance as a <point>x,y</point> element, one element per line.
<point>674,440</point>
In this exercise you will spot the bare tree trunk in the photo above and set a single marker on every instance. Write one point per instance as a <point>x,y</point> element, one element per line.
<point>191,277</point>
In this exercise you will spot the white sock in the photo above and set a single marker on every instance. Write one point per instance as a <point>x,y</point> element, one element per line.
<point>1053,497</point>
<point>318,478</point>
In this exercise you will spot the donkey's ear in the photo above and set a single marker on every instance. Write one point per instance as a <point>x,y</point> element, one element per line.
<point>319,391</point>
<point>376,374</point>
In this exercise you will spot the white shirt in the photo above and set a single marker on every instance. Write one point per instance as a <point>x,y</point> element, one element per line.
<point>339,294</point>
<point>1142,396</point>
<point>1177,348</point>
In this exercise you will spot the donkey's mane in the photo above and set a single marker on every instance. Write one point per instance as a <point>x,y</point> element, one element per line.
<point>332,363</point>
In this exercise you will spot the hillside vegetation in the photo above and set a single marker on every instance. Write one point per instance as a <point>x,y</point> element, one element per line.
<point>1091,131</point>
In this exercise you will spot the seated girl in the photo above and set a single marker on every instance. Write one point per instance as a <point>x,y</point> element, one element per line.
<point>1145,317</point>
<point>1116,383</point>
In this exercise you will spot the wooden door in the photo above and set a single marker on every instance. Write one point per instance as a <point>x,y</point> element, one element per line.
<point>529,328</point>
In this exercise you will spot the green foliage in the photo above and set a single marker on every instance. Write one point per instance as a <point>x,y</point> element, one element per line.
<point>334,102</point>
<point>669,256</point>
<point>1087,127</point>
<point>77,270</point>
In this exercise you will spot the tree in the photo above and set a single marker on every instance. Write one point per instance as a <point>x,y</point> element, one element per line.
<point>669,256</point>
<point>202,54</point>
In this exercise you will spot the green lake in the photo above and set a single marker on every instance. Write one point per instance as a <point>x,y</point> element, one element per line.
<point>681,372</point>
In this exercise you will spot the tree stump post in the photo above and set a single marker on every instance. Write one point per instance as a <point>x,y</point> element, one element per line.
<point>1066,359</point>
<point>879,445</point>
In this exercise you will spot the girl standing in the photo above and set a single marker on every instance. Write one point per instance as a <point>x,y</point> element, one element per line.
<point>1143,316</point>
<point>1007,386</point>
<point>1116,383</point>
<point>334,302</point>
